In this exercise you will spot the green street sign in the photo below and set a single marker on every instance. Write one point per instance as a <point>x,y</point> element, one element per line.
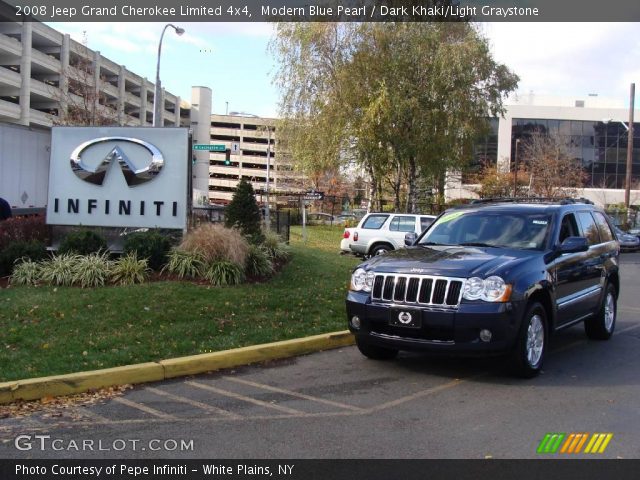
<point>215,147</point>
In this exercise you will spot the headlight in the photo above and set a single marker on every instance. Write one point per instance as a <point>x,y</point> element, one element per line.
<point>369,281</point>
<point>491,289</point>
<point>473,288</point>
<point>358,280</point>
<point>361,280</point>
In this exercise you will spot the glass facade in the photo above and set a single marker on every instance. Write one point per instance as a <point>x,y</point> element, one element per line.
<point>485,152</point>
<point>601,147</point>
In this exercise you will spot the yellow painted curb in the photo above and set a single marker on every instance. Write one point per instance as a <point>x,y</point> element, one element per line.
<point>35,388</point>
<point>208,362</point>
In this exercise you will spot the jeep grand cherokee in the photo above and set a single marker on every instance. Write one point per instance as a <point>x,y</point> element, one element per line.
<point>490,278</point>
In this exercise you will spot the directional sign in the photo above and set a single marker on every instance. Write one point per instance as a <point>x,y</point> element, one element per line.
<point>235,148</point>
<point>214,147</point>
<point>313,195</point>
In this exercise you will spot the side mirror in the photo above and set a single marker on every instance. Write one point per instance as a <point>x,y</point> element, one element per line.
<point>573,245</point>
<point>410,238</point>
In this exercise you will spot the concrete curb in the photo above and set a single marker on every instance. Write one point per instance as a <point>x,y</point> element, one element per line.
<point>35,388</point>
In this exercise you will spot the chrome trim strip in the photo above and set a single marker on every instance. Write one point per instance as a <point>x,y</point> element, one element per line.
<point>573,322</point>
<point>585,293</point>
<point>408,339</point>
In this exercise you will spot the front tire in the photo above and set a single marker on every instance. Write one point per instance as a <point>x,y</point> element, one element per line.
<point>531,343</point>
<point>375,352</point>
<point>602,324</point>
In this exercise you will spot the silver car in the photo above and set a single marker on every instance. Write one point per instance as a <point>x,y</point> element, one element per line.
<point>628,242</point>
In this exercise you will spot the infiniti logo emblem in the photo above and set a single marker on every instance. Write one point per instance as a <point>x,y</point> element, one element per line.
<point>404,317</point>
<point>132,175</point>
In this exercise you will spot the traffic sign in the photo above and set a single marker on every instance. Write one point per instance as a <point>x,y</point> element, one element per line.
<point>235,148</point>
<point>213,147</point>
<point>313,195</point>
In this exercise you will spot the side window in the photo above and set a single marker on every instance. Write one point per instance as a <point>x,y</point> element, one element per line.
<point>589,228</point>
<point>402,224</point>
<point>603,227</point>
<point>425,222</point>
<point>374,222</point>
<point>568,228</point>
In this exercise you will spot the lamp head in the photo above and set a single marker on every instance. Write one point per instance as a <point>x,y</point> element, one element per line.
<point>179,30</point>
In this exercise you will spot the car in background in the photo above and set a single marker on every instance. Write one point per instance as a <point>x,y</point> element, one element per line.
<point>628,242</point>
<point>320,219</point>
<point>347,219</point>
<point>635,231</point>
<point>378,233</point>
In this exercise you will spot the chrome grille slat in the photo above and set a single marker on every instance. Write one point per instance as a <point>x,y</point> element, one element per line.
<point>400,291</point>
<point>418,289</point>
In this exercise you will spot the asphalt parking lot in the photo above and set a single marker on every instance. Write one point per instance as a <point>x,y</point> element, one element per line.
<point>337,404</point>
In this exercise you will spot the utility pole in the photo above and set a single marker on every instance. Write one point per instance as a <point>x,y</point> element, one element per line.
<point>515,171</point>
<point>627,185</point>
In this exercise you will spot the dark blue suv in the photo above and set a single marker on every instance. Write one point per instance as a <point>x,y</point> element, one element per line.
<point>493,277</point>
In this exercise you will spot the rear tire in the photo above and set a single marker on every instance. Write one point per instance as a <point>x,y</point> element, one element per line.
<point>375,352</point>
<point>380,250</point>
<point>531,344</point>
<point>603,323</point>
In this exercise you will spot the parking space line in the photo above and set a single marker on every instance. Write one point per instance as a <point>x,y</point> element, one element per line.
<point>632,327</point>
<point>294,394</point>
<point>93,415</point>
<point>194,403</point>
<point>584,341</point>
<point>629,309</point>
<point>237,396</point>
<point>144,408</point>
<point>420,394</point>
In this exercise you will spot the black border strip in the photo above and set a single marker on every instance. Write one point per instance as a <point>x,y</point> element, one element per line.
<point>583,469</point>
<point>320,10</point>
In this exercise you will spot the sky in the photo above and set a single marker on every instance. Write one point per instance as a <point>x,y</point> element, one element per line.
<point>556,59</point>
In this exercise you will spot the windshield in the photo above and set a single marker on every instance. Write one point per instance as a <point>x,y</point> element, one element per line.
<point>526,230</point>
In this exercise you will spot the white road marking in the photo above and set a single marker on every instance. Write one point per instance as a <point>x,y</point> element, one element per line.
<point>237,396</point>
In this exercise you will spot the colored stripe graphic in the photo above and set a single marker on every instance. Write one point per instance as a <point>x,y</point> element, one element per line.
<point>574,443</point>
<point>550,443</point>
<point>598,443</point>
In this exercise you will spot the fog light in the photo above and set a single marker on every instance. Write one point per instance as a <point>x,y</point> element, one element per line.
<point>485,335</point>
<point>355,322</point>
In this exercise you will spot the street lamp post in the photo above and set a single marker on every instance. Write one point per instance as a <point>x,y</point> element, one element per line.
<point>157,102</point>
<point>267,218</point>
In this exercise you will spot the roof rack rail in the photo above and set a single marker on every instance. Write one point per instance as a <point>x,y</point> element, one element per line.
<point>561,201</point>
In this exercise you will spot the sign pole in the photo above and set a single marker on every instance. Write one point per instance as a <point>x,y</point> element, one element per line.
<point>303,205</point>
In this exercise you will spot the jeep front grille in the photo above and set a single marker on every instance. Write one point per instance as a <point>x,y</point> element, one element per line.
<point>417,289</point>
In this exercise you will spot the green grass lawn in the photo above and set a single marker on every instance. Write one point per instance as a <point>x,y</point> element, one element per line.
<point>48,331</point>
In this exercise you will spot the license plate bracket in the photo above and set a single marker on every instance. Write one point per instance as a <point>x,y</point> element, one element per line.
<point>405,317</point>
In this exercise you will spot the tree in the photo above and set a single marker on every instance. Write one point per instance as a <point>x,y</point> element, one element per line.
<point>496,183</point>
<point>243,212</point>
<point>79,94</point>
<point>555,173</point>
<point>404,101</point>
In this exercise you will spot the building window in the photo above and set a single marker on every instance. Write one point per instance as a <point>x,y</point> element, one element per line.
<point>601,147</point>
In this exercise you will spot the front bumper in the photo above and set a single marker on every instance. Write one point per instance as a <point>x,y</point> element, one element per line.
<point>442,330</point>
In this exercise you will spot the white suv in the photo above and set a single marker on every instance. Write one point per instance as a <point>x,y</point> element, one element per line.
<point>378,233</point>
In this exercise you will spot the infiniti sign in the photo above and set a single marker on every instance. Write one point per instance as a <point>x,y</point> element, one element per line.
<point>86,188</point>
<point>132,175</point>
